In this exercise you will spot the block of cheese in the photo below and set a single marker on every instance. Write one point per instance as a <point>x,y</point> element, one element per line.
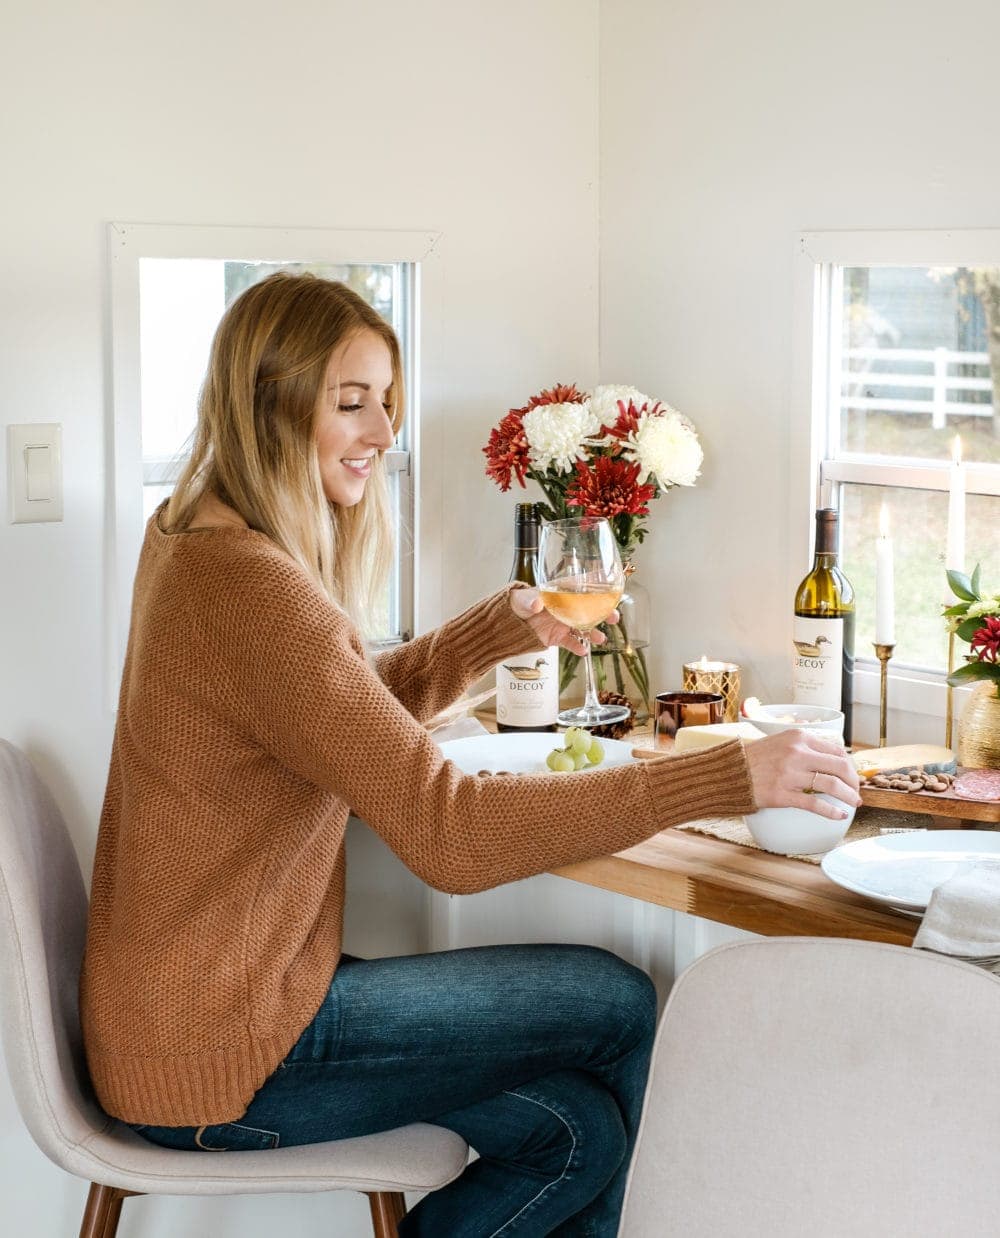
<point>691,737</point>
<point>931,758</point>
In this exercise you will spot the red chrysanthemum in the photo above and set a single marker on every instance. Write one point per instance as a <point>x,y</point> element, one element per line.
<point>507,451</point>
<point>609,489</point>
<point>628,419</point>
<point>985,643</point>
<point>559,394</point>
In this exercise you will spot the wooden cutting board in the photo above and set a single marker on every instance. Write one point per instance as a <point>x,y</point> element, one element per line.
<point>946,806</point>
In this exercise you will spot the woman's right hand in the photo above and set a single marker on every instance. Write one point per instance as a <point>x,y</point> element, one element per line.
<point>788,769</point>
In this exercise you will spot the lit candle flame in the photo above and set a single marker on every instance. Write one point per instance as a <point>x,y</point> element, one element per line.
<point>883,521</point>
<point>956,449</point>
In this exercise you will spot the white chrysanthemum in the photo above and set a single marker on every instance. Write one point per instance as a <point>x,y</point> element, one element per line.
<point>667,447</point>
<point>990,605</point>
<point>556,434</point>
<point>604,402</point>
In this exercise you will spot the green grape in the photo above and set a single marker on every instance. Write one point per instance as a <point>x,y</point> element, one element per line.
<point>579,743</point>
<point>579,759</point>
<point>552,759</point>
<point>595,753</point>
<point>561,762</point>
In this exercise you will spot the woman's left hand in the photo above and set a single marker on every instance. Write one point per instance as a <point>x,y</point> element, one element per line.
<point>527,605</point>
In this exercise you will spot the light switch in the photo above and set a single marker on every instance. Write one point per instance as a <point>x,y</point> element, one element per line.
<point>34,472</point>
<point>38,473</point>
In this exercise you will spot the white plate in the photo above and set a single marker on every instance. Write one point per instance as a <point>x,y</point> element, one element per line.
<point>521,754</point>
<point>903,870</point>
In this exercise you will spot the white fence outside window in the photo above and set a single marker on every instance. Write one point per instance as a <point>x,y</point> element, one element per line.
<point>938,382</point>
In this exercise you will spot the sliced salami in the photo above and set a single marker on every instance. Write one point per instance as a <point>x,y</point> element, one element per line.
<point>978,784</point>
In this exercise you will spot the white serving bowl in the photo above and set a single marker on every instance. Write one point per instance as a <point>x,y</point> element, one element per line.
<point>817,719</point>
<point>794,831</point>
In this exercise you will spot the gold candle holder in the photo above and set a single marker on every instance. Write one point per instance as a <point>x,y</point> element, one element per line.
<point>721,677</point>
<point>883,653</point>
<point>949,703</point>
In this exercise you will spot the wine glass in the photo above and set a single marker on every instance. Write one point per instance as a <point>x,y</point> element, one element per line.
<point>580,579</point>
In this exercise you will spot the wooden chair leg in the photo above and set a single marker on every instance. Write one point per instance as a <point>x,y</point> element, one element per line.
<point>388,1209</point>
<point>104,1207</point>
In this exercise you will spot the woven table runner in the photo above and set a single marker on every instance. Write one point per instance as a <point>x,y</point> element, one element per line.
<point>868,823</point>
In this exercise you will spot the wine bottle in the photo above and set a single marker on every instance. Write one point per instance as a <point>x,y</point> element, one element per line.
<point>528,683</point>
<point>823,629</point>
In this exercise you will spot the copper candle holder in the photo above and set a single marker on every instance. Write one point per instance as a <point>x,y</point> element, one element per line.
<point>721,677</point>
<point>883,653</point>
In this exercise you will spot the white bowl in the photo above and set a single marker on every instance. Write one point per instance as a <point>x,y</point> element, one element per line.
<point>817,719</point>
<point>794,831</point>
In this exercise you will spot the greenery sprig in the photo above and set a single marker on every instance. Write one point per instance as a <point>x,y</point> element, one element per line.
<point>975,618</point>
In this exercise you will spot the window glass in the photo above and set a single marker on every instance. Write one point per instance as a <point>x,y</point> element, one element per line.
<point>915,363</point>
<point>918,521</point>
<point>912,356</point>
<point>180,303</point>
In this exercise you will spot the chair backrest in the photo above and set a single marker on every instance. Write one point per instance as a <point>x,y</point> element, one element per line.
<point>43,911</point>
<point>822,1087</point>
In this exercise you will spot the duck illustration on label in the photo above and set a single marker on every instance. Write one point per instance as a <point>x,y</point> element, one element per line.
<point>523,673</point>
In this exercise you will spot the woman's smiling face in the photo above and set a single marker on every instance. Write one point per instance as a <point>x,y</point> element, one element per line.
<point>352,421</point>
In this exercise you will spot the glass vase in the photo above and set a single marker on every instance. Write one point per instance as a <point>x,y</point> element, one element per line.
<point>979,728</point>
<point>619,664</point>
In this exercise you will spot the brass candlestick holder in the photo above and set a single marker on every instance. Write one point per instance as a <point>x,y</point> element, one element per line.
<point>949,703</point>
<point>883,653</point>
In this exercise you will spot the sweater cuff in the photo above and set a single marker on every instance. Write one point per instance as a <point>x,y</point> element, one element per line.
<point>489,632</point>
<point>714,782</point>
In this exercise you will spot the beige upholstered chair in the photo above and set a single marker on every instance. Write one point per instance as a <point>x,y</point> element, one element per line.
<point>822,1088</point>
<point>42,915</point>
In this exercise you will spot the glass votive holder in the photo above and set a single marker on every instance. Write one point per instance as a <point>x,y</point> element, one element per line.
<point>721,677</point>
<point>672,710</point>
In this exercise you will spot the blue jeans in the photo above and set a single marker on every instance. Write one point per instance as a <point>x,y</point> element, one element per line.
<point>536,1055</point>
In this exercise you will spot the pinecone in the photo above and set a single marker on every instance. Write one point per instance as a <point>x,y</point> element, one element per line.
<point>615,730</point>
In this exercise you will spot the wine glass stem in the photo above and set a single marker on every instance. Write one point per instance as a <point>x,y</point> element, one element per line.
<point>590,701</point>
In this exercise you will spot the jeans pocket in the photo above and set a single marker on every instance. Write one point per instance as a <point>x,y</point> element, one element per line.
<point>234,1137</point>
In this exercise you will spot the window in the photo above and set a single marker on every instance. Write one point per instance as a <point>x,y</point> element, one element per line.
<point>902,377</point>
<point>170,286</point>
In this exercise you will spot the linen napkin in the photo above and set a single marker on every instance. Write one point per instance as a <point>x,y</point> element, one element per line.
<point>963,917</point>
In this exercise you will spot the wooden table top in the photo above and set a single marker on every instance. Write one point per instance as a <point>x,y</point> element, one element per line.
<point>768,894</point>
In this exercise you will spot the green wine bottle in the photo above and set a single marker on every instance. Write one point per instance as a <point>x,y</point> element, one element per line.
<point>823,628</point>
<point>528,684</point>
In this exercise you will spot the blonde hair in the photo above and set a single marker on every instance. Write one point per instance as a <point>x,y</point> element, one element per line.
<point>255,442</point>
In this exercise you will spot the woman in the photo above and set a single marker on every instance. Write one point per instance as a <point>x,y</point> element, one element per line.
<point>218,1013</point>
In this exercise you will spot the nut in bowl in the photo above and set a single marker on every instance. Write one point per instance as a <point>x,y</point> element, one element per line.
<point>795,831</point>
<point>817,719</point>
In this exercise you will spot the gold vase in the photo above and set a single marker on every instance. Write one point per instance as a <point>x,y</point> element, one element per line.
<point>979,729</point>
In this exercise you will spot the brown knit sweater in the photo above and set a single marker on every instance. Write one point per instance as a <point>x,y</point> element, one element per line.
<point>250,722</point>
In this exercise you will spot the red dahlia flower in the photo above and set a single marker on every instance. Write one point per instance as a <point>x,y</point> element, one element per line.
<point>985,643</point>
<point>609,489</point>
<point>559,394</point>
<point>507,451</point>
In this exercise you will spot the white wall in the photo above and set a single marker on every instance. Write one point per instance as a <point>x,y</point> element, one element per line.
<point>727,128</point>
<point>476,121</point>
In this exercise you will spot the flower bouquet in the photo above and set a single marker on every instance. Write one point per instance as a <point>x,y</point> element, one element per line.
<point>607,454</point>
<point>975,618</point>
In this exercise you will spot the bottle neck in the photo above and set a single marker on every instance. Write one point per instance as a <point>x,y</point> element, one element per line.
<point>826,538</point>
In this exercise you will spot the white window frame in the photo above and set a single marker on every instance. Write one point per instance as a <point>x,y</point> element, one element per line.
<point>816,477</point>
<point>128,243</point>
